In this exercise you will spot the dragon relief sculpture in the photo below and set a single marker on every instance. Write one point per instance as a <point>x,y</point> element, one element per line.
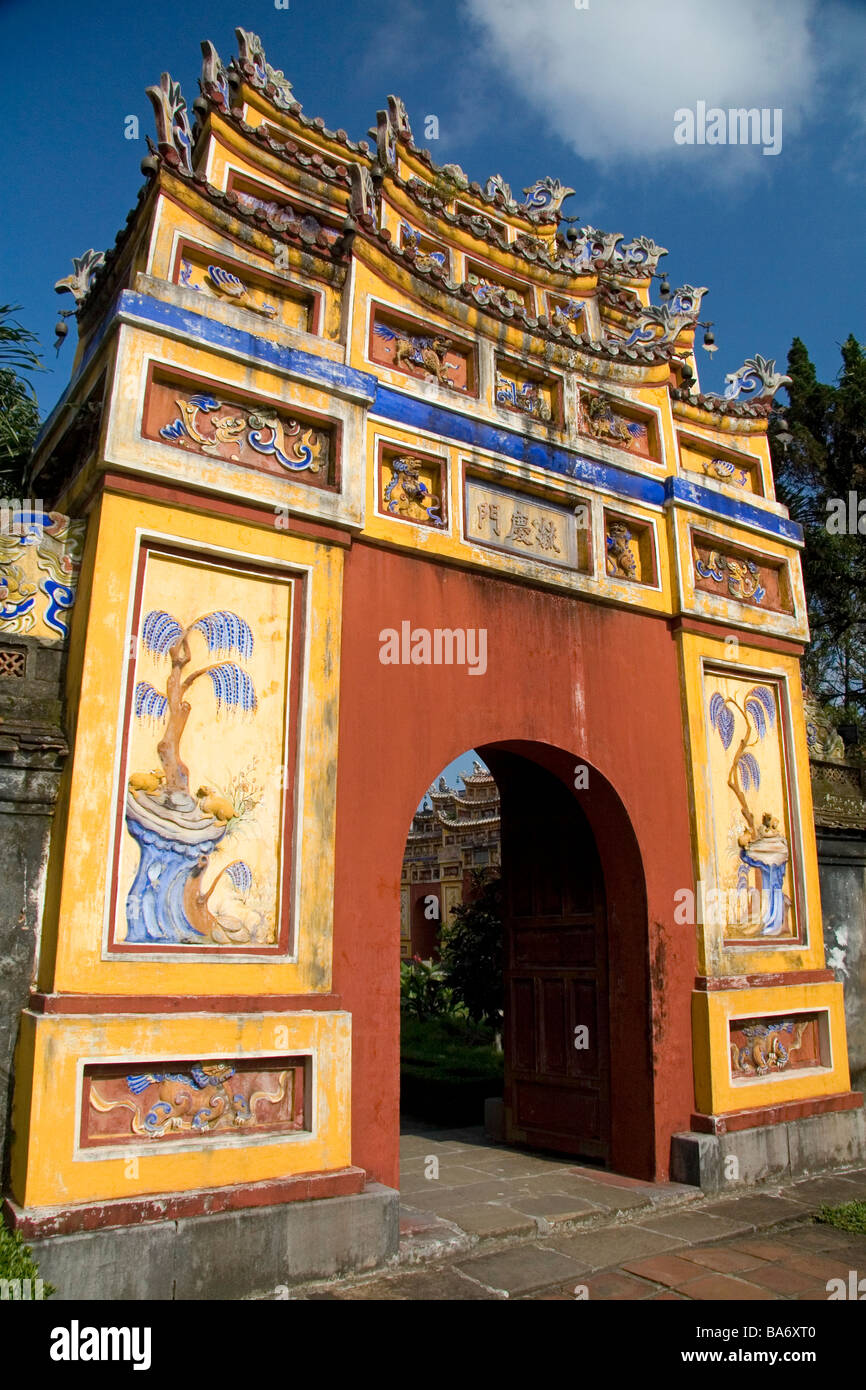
<point>766,1051</point>
<point>743,576</point>
<point>428,354</point>
<point>198,1100</point>
<point>407,494</point>
<point>295,446</point>
<point>526,396</point>
<point>604,423</point>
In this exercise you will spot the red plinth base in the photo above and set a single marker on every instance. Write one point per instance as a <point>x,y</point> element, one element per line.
<point>734,1120</point>
<point>38,1222</point>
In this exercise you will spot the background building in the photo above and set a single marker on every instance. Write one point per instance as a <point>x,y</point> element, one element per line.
<point>453,833</point>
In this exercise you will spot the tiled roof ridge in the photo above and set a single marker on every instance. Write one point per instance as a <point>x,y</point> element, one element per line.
<point>529,246</point>
<point>256,217</point>
<point>757,409</point>
<point>499,306</point>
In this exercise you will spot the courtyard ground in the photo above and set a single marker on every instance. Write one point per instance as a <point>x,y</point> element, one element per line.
<point>484,1221</point>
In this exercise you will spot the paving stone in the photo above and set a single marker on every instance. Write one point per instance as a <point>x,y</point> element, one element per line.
<point>468,1153</point>
<point>468,1194</point>
<point>431,1285</point>
<point>608,1199</point>
<point>511,1165</point>
<point>487,1191</point>
<point>724,1288</point>
<point>819,1237</point>
<point>560,1184</point>
<point>489,1219</point>
<point>454,1174</point>
<point>765,1249</point>
<point>819,1266</point>
<point>782,1279</point>
<point>410,1183</point>
<point>412,1144</point>
<point>831,1189</point>
<point>608,1179</point>
<point>669,1270</point>
<point>554,1208</point>
<point>758,1209</point>
<point>442,1284</point>
<point>857,1180</point>
<point>418,1145</point>
<point>611,1246</point>
<point>722,1260</point>
<point>694,1226</point>
<point>412,1221</point>
<point>614,1284</point>
<point>523,1269</point>
<point>666,1194</point>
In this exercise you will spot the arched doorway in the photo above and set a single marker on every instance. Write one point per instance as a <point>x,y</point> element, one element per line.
<point>555,966</point>
<point>577,1033</point>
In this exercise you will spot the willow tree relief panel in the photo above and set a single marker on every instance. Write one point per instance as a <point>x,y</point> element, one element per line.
<point>202,852</point>
<point>751,812</point>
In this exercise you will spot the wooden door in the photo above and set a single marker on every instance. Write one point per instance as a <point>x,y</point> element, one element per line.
<point>556,983</point>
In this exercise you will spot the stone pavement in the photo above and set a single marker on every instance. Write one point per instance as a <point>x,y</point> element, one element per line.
<point>482,1221</point>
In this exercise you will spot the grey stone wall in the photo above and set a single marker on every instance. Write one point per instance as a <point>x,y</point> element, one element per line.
<point>842,873</point>
<point>32,753</point>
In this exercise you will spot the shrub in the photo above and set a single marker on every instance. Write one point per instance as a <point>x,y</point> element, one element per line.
<point>848,1216</point>
<point>471,958</point>
<point>16,1260</point>
<point>422,990</point>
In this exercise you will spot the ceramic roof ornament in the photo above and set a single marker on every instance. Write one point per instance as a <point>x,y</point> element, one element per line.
<point>214,82</point>
<point>174,137</point>
<point>84,269</point>
<point>256,68</point>
<point>544,198</point>
<point>757,375</point>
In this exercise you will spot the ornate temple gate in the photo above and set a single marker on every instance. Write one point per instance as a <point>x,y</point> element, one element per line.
<point>376,466</point>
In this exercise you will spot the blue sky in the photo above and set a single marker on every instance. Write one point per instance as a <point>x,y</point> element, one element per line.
<point>520,87</point>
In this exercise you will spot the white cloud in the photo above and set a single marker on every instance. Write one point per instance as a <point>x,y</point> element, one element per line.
<point>609,78</point>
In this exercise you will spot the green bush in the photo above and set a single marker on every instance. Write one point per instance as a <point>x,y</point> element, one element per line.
<point>423,994</point>
<point>16,1260</point>
<point>848,1216</point>
<point>472,952</point>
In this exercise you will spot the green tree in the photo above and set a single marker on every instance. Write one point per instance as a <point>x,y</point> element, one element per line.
<point>820,458</point>
<point>471,952</point>
<point>19,411</point>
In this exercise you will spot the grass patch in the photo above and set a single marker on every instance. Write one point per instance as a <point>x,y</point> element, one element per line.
<point>448,1068</point>
<point>848,1216</point>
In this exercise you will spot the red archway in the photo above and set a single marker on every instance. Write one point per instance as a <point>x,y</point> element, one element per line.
<point>565,683</point>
